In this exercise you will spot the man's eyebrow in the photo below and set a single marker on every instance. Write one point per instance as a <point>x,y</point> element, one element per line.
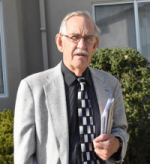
<point>89,35</point>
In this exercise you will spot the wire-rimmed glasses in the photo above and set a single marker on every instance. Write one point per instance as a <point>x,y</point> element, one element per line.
<point>89,39</point>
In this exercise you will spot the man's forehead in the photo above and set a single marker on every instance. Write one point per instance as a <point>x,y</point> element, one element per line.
<point>74,23</point>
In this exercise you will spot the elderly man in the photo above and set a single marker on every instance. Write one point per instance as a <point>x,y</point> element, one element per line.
<point>58,112</point>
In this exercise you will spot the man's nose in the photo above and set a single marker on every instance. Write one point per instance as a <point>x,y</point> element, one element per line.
<point>81,44</point>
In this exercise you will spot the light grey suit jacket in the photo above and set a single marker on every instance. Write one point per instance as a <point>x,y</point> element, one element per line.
<point>41,126</point>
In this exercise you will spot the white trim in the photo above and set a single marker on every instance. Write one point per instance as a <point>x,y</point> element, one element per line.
<point>137,29</point>
<point>113,3</point>
<point>142,1</point>
<point>5,94</point>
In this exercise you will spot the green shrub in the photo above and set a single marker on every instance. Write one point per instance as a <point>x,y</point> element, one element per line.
<point>133,72</point>
<point>6,137</point>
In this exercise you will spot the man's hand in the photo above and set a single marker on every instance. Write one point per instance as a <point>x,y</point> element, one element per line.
<point>106,145</point>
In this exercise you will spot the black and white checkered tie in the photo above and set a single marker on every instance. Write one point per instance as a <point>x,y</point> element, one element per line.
<point>86,125</point>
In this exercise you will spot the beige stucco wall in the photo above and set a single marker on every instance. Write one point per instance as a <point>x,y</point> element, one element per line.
<point>22,39</point>
<point>22,35</point>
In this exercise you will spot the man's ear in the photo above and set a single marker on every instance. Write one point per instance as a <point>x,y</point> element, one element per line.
<point>96,44</point>
<point>59,42</point>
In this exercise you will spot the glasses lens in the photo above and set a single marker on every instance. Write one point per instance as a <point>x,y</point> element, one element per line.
<point>76,38</point>
<point>89,39</point>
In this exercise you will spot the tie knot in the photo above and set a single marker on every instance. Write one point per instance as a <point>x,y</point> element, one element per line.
<point>82,83</point>
<point>81,79</point>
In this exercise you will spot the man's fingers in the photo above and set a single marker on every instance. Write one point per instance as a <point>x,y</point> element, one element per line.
<point>102,137</point>
<point>102,154</point>
<point>105,146</point>
<point>99,145</point>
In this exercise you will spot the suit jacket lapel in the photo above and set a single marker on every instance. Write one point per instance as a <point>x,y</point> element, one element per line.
<point>102,88</point>
<point>56,103</point>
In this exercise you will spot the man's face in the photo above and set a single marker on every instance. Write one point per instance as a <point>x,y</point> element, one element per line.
<point>78,26</point>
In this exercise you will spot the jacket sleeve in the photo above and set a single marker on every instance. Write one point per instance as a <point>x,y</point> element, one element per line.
<point>24,126</point>
<point>120,126</point>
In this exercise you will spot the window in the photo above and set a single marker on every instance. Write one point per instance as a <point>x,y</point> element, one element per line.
<point>3,89</point>
<point>124,24</point>
<point>144,26</point>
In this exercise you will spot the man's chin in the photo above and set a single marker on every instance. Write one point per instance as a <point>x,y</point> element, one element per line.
<point>80,60</point>
<point>81,65</point>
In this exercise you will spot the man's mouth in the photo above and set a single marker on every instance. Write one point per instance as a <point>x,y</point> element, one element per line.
<point>80,54</point>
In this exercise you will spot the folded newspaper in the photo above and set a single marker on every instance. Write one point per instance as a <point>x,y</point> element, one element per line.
<point>107,117</point>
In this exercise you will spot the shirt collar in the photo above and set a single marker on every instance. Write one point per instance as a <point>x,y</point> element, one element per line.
<point>70,77</point>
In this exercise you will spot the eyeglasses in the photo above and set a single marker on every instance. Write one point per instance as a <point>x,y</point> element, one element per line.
<point>89,39</point>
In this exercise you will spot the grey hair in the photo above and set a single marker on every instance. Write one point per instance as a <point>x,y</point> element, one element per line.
<point>82,13</point>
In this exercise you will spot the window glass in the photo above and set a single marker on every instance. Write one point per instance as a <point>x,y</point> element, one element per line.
<point>117,25</point>
<point>144,23</point>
